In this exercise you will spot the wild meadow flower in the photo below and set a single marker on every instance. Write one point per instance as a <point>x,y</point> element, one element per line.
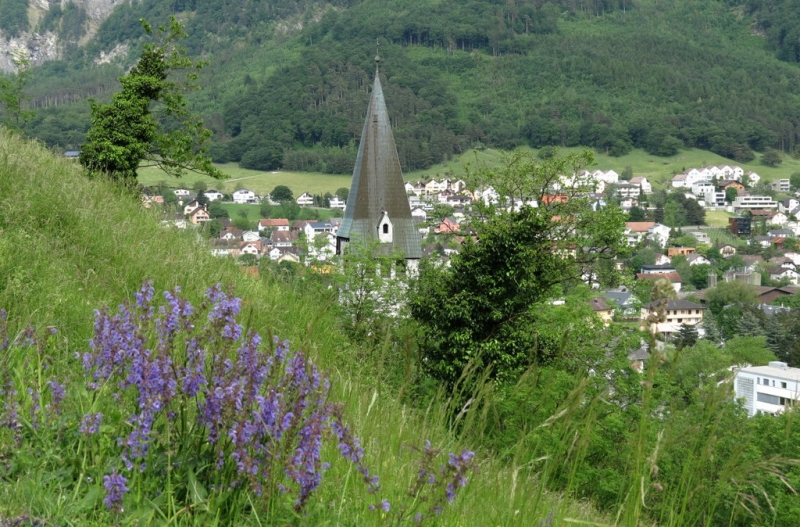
<point>90,424</point>
<point>435,485</point>
<point>57,394</point>
<point>116,488</point>
<point>263,411</point>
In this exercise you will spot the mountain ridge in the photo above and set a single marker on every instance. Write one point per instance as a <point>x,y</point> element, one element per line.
<point>609,75</point>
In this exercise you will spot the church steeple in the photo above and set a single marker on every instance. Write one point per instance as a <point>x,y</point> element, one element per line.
<point>377,192</point>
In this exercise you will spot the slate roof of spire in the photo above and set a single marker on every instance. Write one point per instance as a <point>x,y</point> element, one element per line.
<point>378,185</point>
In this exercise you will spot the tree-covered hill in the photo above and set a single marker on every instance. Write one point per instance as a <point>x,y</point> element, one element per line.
<point>289,81</point>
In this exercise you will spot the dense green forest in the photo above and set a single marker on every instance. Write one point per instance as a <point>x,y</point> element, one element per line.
<point>288,81</point>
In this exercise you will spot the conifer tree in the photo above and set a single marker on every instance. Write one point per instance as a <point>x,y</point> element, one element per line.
<point>126,133</point>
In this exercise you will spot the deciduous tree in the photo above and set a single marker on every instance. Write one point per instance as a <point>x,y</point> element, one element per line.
<point>483,307</point>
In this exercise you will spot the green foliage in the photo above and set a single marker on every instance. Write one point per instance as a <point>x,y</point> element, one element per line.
<point>771,158</point>
<point>12,94</point>
<point>662,290</point>
<point>794,180</point>
<point>728,293</point>
<point>680,211</point>
<point>14,17</point>
<point>483,308</point>
<point>731,194</point>
<point>281,193</point>
<point>125,133</point>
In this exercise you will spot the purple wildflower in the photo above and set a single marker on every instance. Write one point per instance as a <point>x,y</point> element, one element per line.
<point>58,394</point>
<point>90,424</point>
<point>115,485</point>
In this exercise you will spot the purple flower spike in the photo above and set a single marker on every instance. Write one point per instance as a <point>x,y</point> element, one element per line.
<point>116,488</point>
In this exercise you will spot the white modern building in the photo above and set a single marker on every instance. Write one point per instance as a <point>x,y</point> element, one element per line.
<point>754,202</point>
<point>767,389</point>
<point>245,196</point>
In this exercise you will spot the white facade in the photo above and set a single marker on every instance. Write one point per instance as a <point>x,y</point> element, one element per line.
<point>305,199</point>
<point>767,389</point>
<point>754,202</point>
<point>244,196</point>
<point>336,203</point>
<point>213,195</point>
<point>645,185</point>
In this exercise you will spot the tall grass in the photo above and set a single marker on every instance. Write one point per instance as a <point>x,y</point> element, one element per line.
<point>70,244</point>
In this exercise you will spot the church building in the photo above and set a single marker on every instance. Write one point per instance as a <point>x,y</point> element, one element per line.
<point>377,206</point>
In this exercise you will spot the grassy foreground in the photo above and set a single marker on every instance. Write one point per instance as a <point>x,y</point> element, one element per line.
<point>70,245</point>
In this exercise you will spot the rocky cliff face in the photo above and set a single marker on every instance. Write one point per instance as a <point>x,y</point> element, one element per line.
<point>41,47</point>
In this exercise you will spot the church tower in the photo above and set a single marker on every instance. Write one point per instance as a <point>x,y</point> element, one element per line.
<point>377,206</point>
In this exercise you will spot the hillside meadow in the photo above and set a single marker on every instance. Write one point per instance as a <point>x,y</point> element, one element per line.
<point>70,245</point>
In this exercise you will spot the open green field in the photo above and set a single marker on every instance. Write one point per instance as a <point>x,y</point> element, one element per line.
<point>258,181</point>
<point>717,218</point>
<point>253,212</point>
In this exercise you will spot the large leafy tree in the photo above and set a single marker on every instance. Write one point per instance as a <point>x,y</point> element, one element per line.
<point>126,133</point>
<point>483,308</point>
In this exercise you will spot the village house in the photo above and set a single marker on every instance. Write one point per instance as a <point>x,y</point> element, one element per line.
<point>602,309</point>
<point>251,236</point>
<point>336,203</point>
<point>727,250</point>
<point>697,259</point>
<point>685,251</point>
<point>677,312</point>
<point>314,228</point>
<point>788,205</point>
<point>447,226</point>
<point>305,199</point>
<point>181,192</point>
<point>726,184</point>
<point>198,216</point>
<point>244,196</point>
<point>638,231</point>
<point>645,185</point>
<point>673,278</point>
<point>230,233</point>
<point>701,237</point>
<point>281,239</point>
<point>781,185</point>
<point>784,274</point>
<point>278,224</point>
<point>213,195</point>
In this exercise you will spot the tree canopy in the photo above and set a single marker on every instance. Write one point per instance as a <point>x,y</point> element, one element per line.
<point>483,307</point>
<point>126,133</point>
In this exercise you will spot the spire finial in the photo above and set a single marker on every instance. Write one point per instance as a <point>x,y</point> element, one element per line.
<point>377,56</point>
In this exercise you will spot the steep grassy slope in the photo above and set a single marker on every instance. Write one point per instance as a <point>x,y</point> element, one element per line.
<point>69,245</point>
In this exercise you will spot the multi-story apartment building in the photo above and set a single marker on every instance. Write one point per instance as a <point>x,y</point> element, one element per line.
<point>754,202</point>
<point>767,389</point>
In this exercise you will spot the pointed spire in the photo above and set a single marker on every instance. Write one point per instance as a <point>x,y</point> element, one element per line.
<point>378,189</point>
<point>377,57</point>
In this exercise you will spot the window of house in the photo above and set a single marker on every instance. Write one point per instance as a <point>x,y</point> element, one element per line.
<point>783,385</point>
<point>769,399</point>
<point>385,228</point>
<point>680,320</point>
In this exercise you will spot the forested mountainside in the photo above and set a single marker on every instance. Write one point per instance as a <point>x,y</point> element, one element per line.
<point>288,81</point>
